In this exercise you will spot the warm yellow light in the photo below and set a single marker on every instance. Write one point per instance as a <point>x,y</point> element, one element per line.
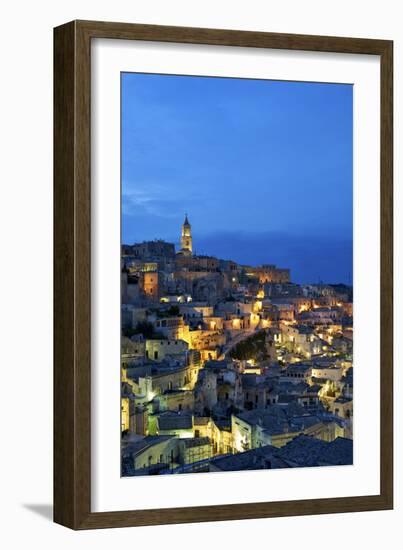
<point>258,305</point>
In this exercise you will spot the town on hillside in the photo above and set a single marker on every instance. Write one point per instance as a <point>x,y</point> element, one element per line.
<point>230,367</point>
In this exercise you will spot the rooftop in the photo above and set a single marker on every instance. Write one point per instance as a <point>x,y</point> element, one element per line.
<point>134,447</point>
<point>175,422</point>
<point>305,450</point>
<point>255,459</point>
<point>195,442</point>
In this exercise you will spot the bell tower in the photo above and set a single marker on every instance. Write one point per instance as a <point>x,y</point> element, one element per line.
<point>186,238</point>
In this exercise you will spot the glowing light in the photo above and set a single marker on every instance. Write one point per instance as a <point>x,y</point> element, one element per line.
<point>236,323</point>
<point>257,306</point>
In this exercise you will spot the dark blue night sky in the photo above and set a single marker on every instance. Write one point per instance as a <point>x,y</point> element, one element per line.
<point>263,169</point>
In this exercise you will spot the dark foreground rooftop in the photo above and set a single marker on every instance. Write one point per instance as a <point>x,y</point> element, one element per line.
<point>305,450</point>
<point>263,458</point>
<point>300,452</point>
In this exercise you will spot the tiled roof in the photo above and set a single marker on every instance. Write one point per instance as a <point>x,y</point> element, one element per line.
<point>136,447</point>
<point>255,459</point>
<point>308,451</point>
<point>177,422</point>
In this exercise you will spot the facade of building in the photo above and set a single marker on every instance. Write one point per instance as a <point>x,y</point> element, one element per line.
<point>269,274</point>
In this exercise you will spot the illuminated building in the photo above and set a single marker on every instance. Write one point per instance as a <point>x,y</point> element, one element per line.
<point>150,284</point>
<point>158,350</point>
<point>186,238</point>
<point>269,274</point>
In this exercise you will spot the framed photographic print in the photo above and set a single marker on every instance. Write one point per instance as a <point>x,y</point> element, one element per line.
<point>223,275</point>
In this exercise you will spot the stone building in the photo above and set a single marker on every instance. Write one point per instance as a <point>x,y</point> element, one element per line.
<point>268,273</point>
<point>158,350</point>
<point>150,250</point>
<point>149,282</point>
<point>186,238</point>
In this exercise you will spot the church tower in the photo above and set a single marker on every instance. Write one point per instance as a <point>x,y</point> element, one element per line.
<point>186,238</point>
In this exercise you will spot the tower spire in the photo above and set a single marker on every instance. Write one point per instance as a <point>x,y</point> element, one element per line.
<point>186,237</point>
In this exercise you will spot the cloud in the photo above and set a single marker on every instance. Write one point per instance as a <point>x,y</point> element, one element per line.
<point>153,199</point>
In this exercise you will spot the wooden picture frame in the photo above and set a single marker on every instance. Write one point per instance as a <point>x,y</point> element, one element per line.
<point>72,271</point>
